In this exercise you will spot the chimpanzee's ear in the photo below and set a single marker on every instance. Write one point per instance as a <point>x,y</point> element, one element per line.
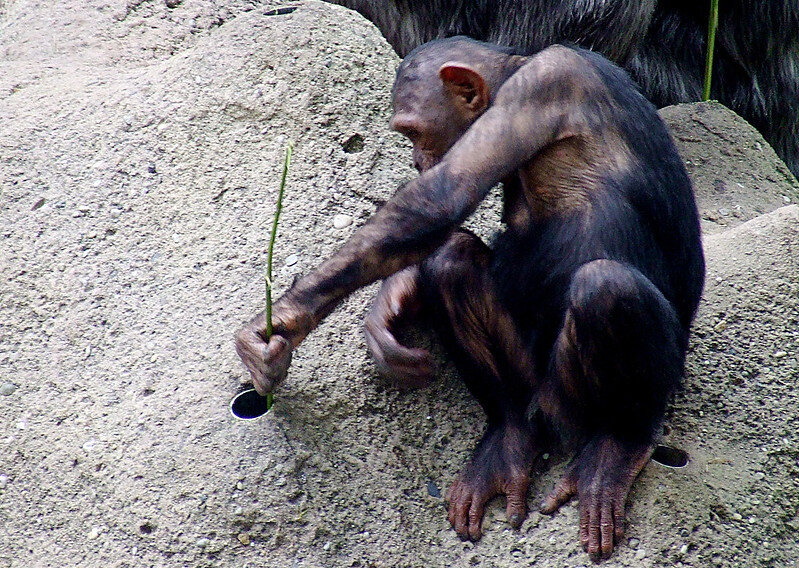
<point>466,84</point>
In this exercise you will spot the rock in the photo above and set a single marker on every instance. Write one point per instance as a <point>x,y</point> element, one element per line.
<point>3,481</point>
<point>341,220</point>
<point>720,149</point>
<point>7,389</point>
<point>203,542</point>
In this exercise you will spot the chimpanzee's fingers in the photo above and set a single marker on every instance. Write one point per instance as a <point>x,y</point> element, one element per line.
<point>276,360</point>
<point>250,347</point>
<point>410,366</point>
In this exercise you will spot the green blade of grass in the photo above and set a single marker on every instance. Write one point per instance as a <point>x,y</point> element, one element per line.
<point>269,254</point>
<point>271,248</point>
<point>712,25</point>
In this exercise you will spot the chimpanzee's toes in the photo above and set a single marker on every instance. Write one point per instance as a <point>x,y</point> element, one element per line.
<point>466,508</point>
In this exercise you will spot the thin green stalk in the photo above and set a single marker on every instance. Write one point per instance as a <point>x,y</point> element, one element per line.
<point>269,252</point>
<point>712,25</point>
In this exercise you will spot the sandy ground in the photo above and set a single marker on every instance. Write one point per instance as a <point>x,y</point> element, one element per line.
<point>140,144</point>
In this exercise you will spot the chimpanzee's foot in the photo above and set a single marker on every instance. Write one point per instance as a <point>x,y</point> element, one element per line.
<point>500,465</point>
<point>601,475</point>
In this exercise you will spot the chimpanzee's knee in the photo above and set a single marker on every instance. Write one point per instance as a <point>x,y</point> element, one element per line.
<point>619,355</point>
<point>458,264</point>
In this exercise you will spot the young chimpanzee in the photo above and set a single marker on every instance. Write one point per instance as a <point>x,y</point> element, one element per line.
<point>577,321</point>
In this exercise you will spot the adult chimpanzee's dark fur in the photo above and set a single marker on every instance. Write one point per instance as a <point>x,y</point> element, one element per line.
<point>661,43</point>
<point>581,311</point>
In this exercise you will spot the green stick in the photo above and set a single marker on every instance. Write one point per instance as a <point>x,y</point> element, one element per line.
<point>268,276</point>
<point>713,23</point>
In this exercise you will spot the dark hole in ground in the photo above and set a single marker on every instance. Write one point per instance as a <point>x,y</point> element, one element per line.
<point>248,404</point>
<point>280,11</point>
<point>353,144</point>
<point>670,457</point>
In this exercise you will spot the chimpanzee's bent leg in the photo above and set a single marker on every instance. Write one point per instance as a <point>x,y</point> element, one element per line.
<point>478,332</point>
<point>617,360</point>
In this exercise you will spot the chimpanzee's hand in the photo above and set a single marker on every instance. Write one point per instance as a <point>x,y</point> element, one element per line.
<point>397,300</point>
<point>268,362</point>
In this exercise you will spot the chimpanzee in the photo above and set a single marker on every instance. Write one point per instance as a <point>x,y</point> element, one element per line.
<point>662,44</point>
<point>576,321</point>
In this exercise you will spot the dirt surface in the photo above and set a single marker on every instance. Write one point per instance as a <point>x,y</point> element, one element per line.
<point>140,146</point>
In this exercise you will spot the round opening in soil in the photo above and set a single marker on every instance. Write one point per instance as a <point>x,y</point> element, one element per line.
<point>670,457</point>
<point>249,405</point>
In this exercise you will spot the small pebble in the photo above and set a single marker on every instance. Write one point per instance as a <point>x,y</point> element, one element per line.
<point>93,534</point>
<point>203,542</point>
<point>684,549</point>
<point>633,542</point>
<point>240,486</point>
<point>326,546</point>
<point>244,538</point>
<point>786,199</point>
<point>291,260</point>
<point>340,221</point>
<point>780,354</point>
<point>737,516</point>
<point>640,554</point>
<point>433,490</point>
<point>759,475</point>
<point>7,389</point>
<point>3,481</point>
